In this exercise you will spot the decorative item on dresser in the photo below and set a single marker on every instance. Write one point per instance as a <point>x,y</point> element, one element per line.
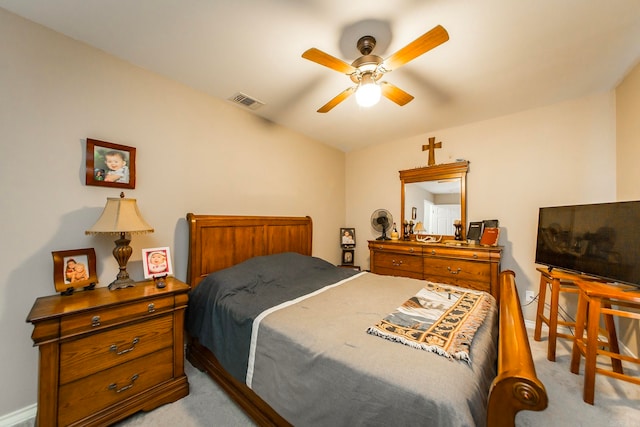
<point>468,266</point>
<point>106,355</point>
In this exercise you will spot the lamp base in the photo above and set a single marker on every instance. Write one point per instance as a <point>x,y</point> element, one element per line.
<point>121,253</point>
<point>121,283</point>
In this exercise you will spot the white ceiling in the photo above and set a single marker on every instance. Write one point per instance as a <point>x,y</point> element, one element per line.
<point>503,56</point>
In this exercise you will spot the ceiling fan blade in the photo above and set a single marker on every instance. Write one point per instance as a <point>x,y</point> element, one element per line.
<point>395,94</point>
<point>337,100</point>
<point>327,60</point>
<point>433,38</point>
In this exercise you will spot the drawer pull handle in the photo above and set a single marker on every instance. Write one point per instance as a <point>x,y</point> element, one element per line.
<point>433,251</point>
<point>475,256</point>
<point>114,347</point>
<point>151,307</point>
<point>396,263</point>
<point>114,386</point>
<point>95,321</point>
<point>410,249</point>
<point>454,272</point>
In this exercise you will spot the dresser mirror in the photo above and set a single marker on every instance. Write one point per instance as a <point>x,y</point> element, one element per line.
<point>436,197</point>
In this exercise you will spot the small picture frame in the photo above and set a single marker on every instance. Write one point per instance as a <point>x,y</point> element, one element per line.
<point>348,238</point>
<point>347,257</point>
<point>157,262</point>
<point>110,165</point>
<point>74,269</point>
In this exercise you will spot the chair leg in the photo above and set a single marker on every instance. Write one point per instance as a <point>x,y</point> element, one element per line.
<point>578,341</point>
<point>591,352</point>
<point>610,325</point>
<point>553,320</point>
<point>542,295</point>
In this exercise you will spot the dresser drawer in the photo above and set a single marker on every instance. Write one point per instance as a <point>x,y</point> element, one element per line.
<point>457,252</point>
<point>88,395</point>
<point>456,270</point>
<point>102,318</point>
<point>408,249</point>
<point>398,261</point>
<point>82,357</point>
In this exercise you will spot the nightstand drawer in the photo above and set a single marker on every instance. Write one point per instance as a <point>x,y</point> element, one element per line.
<point>86,396</point>
<point>86,356</point>
<point>101,318</point>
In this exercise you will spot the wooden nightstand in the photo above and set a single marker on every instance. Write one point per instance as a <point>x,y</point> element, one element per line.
<point>105,355</point>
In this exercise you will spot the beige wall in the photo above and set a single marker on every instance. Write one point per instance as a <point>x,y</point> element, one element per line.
<point>560,154</point>
<point>628,153</point>
<point>628,136</point>
<point>195,154</point>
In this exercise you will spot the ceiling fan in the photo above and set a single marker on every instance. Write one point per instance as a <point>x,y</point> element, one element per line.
<point>367,70</point>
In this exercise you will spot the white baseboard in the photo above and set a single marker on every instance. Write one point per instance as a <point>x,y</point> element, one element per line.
<point>25,416</point>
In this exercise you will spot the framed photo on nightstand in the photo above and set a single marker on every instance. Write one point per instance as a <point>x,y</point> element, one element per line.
<point>348,238</point>
<point>347,257</point>
<point>74,269</point>
<point>157,262</point>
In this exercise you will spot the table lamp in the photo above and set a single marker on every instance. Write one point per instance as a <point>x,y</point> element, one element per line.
<point>121,216</point>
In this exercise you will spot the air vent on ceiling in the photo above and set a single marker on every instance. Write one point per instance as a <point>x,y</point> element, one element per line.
<point>246,101</point>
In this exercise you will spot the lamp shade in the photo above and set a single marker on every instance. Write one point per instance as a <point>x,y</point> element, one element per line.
<point>120,215</point>
<point>419,227</point>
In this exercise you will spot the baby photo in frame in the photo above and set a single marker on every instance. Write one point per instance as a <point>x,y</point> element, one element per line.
<point>348,237</point>
<point>74,269</point>
<point>110,165</point>
<point>157,262</point>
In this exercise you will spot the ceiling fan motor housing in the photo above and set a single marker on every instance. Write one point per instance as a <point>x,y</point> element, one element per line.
<point>366,44</point>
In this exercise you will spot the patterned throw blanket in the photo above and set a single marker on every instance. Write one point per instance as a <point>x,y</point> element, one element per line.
<point>439,318</point>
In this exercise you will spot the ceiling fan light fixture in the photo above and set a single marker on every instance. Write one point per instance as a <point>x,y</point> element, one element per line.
<point>368,93</point>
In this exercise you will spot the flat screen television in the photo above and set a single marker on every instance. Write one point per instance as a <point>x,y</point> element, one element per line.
<point>600,240</point>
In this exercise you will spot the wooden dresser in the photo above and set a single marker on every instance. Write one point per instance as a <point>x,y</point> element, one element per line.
<point>475,267</point>
<point>105,355</point>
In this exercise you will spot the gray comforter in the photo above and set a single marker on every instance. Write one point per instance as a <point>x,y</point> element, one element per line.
<point>222,308</point>
<point>315,364</point>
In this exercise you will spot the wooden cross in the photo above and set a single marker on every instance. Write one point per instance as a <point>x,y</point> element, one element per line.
<point>432,150</point>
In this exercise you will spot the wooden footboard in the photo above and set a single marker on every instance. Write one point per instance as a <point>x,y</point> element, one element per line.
<point>516,386</point>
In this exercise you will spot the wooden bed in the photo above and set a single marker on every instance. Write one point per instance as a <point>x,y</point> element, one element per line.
<point>218,242</point>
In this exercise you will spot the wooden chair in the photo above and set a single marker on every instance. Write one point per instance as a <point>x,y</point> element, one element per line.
<point>598,299</point>
<point>558,281</point>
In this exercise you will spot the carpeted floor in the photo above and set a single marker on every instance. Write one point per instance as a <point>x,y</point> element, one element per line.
<point>617,402</point>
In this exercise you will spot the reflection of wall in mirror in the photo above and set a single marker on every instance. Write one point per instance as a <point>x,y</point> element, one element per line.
<point>436,211</point>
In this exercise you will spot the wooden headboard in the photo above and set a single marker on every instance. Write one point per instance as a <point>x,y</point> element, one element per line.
<point>220,241</point>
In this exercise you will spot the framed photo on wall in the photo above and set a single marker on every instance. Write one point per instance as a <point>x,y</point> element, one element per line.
<point>110,165</point>
<point>74,269</point>
<point>157,262</point>
<point>348,237</point>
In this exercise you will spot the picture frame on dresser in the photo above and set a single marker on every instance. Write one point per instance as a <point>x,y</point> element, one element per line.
<point>110,165</point>
<point>74,269</point>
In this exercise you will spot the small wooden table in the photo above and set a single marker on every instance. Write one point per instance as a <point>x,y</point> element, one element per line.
<point>559,281</point>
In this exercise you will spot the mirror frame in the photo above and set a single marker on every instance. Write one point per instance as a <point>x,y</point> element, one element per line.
<point>435,173</point>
